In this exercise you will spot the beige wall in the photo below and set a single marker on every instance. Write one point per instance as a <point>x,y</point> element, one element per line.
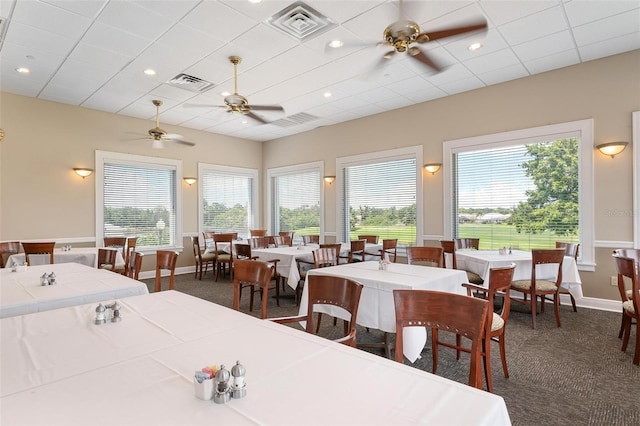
<point>606,90</point>
<point>42,198</point>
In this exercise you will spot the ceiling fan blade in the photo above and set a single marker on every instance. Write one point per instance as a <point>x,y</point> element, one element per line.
<point>436,35</point>
<point>255,117</point>
<point>419,55</point>
<point>172,136</point>
<point>183,142</point>
<point>267,108</point>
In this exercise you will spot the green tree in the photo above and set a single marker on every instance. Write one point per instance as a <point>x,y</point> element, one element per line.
<point>553,204</point>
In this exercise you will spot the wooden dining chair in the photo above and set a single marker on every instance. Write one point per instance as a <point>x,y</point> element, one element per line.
<point>369,239</point>
<point>224,254</point>
<point>287,234</point>
<point>389,250</point>
<point>203,260</point>
<point>131,246</point>
<point>499,286</point>
<point>165,261</point>
<point>257,232</point>
<point>571,250</point>
<point>311,239</point>
<point>8,248</point>
<point>281,241</point>
<point>449,247</point>
<point>322,257</point>
<point>243,252</point>
<point>626,293</point>
<point>257,276</point>
<point>541,287</point>
<point>135,264</point>
<point>356,251</point>
<point>628,269</point>
<point>259,242</point>
<point>119,243</point>
<point>38,248</point>
<point>107,259</point>
<point>432,309</point>
<point>331,290</point>
<point>207,239</point>
<point>467,243</point>
<point>425,256</point>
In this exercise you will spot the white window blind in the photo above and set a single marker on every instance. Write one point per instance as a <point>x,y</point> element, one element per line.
<point>228,200</point>
<point>380,199</point>
<point>521,195</point>
<point>139,198</point>
<point>295,203</point>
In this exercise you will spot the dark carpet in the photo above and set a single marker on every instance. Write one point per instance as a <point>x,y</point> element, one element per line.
<point>573,375</point>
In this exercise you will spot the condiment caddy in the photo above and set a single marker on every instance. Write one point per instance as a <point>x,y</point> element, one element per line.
<point>220,384</point>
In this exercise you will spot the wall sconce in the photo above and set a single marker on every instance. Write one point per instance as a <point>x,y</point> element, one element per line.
<point>190,180</point>
<point>432,167</point>
<point>83,172</point>
<point>1,134</point>
<point>329,179</point>
<point>612,148</point>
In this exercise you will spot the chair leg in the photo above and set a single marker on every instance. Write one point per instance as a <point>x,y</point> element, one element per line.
<point>534,310</point>
<point>486,350</point>
<point>626,333</point>
<point>197,269</point>
<point>277,292</point>
<point>573,303</point>
<point>636,354</point>
<point>621,326</point>
<point>556,308</point>
<point>503,356</point>
<point>434,349</point>
<point>458,344</point>
<point>319,321</point>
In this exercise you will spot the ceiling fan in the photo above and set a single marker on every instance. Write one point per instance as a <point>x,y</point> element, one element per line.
<point>160,136</point>
<point>238,103</point>
<point>403,35</point>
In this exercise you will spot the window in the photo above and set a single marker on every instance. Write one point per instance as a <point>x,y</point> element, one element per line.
<point>524,189</point>
<point>295,199</point>
<point>380,193</point>
<point>138,196</point>
<point>228,199</point>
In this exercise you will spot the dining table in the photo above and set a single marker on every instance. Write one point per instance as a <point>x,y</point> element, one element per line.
<point>22,292</point>
<point>60,367</point>
<point>377,308</point>
<point>481,261</point>
<point>288,266</point>
<point>84,255</point>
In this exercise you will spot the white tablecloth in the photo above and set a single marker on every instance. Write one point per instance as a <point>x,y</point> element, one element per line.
<point>377,309</point>
<point>21,292</point>
<point>481,261</point>
<point>57,367</point>
<point>84,255</point>
<point>288,268</point>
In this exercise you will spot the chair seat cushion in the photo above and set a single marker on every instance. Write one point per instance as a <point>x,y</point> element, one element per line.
<point>497,323</point>
<point>628,306</point>
<point>542,285</point>
<point>224,257</point>
<point>629,294</point>
<point>474,278</point>
<point>208,256</point>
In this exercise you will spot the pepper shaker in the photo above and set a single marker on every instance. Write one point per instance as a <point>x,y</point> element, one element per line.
<point>239,387</point>
<point>100,317</point>
<point>221,386</point>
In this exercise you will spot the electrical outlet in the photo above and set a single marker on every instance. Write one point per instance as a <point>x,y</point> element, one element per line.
<point>614,280</point>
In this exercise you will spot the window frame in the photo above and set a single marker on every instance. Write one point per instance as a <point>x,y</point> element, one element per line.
<point>414,152</point>
<point>236,171</point>
<point>103,157</point>
<point>582,129</point>
<point>316,166</point>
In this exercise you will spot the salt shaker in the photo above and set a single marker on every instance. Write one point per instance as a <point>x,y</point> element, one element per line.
<point>44,279</point>
<point>221,386</point>
<point>52,278</point>
<point>116,312</point>
<point>100,316</point>
<point>239,387</point>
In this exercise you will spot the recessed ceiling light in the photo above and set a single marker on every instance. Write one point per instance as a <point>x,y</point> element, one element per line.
<point>149,71</point>
<point>336,44</point>
<point>255,1</point>
<point>23,70</point>
<point>244,122</point>
<point>475,46</point>
<point>225,93</point>
<point>327,94</point>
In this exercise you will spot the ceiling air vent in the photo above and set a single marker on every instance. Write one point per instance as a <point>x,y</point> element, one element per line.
<point>294,120</point>
<point>191,83</point>
<point>300,21</point>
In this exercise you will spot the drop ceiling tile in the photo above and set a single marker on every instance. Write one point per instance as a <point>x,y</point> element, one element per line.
<point>71,95</point>
<point>492,61</point>
<point>463,85</point>
<point>199,123</point>
<point>395,103</point>
<point>106,59</point>
<point>340,11</point>
<point>82,74</point>
<point>351,43</point>
<point>34,38</point>
<point>264,42</point>
<point>106,99</point>
<point>610,46</point>
<point>501,75</point>
<point>39,61</point>
<point>89,9</point>
<point>115,40</point>
<point>560,59</point>
<point>324,110</point>
<point>267,74</point>
<point>408,85</point>
<point>6,7</point>
<point>194,45</point>
<point>170,8</point>
<point>216,19</point>
<point>259,12</point>
<point>349,103</point>
<point>155,57</point>
<point>611,27</point>
<point>173,93</point>
<point>380,94</point>
<point>453,73</point>
<point>583,12</point>
<point>502,12</point>
<point>136,19</point>
<point>301,59</point>
<point>370,25</point>
<point>174,116</point>
<point>18,85</point>
<point>427,94</point>
<point>491,42</point>
<point>540,24</point>
<point>49,18</point>
<point>544,46</point>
